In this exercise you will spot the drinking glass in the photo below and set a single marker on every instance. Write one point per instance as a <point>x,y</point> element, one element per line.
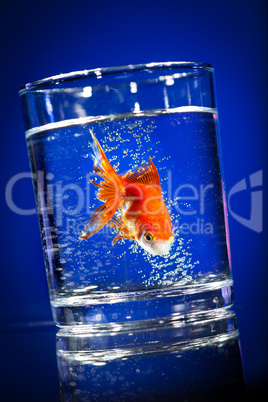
<point>156,127</point>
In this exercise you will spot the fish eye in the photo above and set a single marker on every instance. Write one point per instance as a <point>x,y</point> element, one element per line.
<point>148,237</point>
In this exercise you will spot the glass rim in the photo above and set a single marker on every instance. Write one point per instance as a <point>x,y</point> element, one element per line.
<point>97,72</point>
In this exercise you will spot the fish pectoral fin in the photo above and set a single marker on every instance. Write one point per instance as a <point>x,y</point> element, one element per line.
<point>115,240</point>
<point>118,224</point>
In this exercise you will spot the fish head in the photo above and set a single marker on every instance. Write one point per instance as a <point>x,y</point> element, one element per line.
<point>155,236</point>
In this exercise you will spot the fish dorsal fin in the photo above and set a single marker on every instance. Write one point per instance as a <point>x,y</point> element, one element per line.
<point>146,174</point>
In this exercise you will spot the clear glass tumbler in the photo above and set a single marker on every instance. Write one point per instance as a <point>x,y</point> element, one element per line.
<point>126,172</point>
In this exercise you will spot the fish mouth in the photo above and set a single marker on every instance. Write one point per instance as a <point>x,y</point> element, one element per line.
<point>163,247</point>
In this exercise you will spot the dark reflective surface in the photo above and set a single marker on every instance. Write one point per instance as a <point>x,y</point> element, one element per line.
<point>28,364</point>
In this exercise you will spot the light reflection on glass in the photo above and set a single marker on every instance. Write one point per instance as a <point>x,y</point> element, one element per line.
<point>98,73</point>
<point>87,92</point>
<point>133,87</point>
<point>169,81</point>
<point>49,107</point>
<point>136,107</point>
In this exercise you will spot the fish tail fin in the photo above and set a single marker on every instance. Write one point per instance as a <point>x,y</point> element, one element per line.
<point>110,192</point>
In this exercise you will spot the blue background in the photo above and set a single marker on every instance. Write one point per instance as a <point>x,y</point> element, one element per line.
<point>40,39</point>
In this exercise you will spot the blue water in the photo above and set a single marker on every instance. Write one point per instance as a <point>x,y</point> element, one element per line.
<point>184,149</point>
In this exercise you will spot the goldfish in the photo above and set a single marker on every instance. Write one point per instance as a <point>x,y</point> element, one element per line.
<point>132,205</point>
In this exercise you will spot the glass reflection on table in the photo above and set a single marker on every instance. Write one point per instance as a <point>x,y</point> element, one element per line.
<point>178,361</point>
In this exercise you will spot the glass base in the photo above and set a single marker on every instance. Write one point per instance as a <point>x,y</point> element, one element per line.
<point>86,348</point>
<point>182,306</point>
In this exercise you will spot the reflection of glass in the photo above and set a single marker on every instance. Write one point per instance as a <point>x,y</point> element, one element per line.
<point>195,362</point>
<point>164,111</point>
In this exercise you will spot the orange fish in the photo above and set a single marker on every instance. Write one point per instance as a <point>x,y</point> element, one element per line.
<point>136,195</point>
